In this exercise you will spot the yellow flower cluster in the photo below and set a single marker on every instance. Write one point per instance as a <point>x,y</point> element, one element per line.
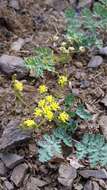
<point>65,49</point>
<point>47,107</point>
<point>63,116</point>
<point>18,85</point>
<point>29,123</point>
<point>62,81</point>
<point>42,89</point>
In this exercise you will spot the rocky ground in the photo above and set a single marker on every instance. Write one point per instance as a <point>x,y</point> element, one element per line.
<point>25,24</point>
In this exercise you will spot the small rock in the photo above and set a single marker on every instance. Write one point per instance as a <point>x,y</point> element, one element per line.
<point>34,183</point>
<point>84,84</point>
<point>18,174</point>
<point>88,186</point>
<point>8,186</point>
<point>17,45</point>
<point>10,65</point>
<point>103,125</point>
<point>78,64</point>
<point>67,174</point>
<point>104,101</point>
<point>75,91</point>
<point>13,134</point>
<point>99,174</point>
<point>103,51</point>
<point>14,4</point>
<point>11,160</point>
<point>3,170</point>
<point>95,62</point>
<point>95,185</point>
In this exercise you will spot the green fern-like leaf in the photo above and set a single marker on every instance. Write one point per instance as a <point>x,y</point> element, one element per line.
<point>94,147</point>
<point>85,30</point>
<point>82,113</point>
<point>43,61</point>
<point>50,146</point>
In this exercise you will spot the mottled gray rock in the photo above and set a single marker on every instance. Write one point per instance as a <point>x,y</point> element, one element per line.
<point>67,174</point>
<point>34,183</point>
<point>103,125</point>
<point>18,174</point>
<point>14,4</point>
<point>8,186</point>
<point>13,135</point>
<point>17,45</point>
<point>11,160</point>
<point>88,186</point>
<point>98,174</point>
<point>3,170</point>
<point>95,62</point>
<point>10,65</point>
<point>103,51</point>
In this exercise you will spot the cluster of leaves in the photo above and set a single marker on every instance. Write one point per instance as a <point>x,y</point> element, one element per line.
<point>85,30</point>
<point>43,61</point>
<point>94,147</point>
<point>51,147</point>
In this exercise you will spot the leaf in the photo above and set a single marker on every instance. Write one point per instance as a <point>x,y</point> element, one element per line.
<point>69,100</point>
<point>94,147</point>
<point>82,113</point>
<point>50,145</point>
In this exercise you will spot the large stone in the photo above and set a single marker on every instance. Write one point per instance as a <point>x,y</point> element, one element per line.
<point>18,174</point>
<point>10,65</point>
<point>98,174</point>
<point>3,170</point>
<point>11,160</point>
<point>13,135</point>
<point>103,125</point>
<point>95,62</point>
<point>67,174</point>
<point>34,183</point>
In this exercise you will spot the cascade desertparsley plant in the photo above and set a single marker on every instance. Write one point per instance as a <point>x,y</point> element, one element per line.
<point>48,108</point>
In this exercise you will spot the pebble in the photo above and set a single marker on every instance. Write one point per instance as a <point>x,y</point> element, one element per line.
<point>99,174</point>
<point>95,62</point>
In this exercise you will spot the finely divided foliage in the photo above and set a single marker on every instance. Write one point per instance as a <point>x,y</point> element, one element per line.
<point>42,61</point>
<point>85,30</point>
<point>50,146</point>
<point>94,147</point>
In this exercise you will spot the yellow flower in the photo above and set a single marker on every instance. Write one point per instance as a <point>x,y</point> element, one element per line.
<point>49,115</point>
<point>55,106</point>
<point>41,103</point>
<point>55,38</point>
<point>63,117</point>
<point>63,44</point>
<point>82,49</point>
<point>49,98</point>
<point>38,112</point>
<point>18,85</point>
<point>42,89</point>
<point>71,49</point>
<point>62,81</point>
<point>64,50</point>
<point>29,123</point>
